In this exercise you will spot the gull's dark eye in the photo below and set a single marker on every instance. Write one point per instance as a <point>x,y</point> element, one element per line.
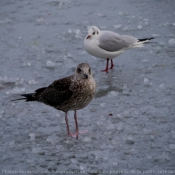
<point>93,33</point>
<point>78,70</point>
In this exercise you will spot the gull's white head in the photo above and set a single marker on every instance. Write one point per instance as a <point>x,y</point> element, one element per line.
<point>93,32</point>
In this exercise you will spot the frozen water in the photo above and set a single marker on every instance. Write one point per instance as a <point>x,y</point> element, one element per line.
<point>36,150</point>
<point>32,136</point>
<point>1,113</point>
<point>147,81</point>
<point>130,140</point>
<point>120,126</point>
<point>139,27</point>
<point>18,90</point>
<point>172,146</point>
<point>50,64</point>
<point>11,143</point>
<point>87,139</point>
<point>171,41</point>
<point>117,26</point>
<point>32,81</point>
<point>131,119</point>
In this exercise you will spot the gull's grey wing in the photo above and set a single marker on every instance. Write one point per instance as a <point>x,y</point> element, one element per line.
<point>57,93</point>
<point>113,42</point>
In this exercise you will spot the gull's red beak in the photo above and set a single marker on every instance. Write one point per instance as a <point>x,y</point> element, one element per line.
<point>88,36</point>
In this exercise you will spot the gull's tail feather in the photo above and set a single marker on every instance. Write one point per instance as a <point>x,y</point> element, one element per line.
<point>31,96</point>
<point>27,97</point>
<point>140,42</point>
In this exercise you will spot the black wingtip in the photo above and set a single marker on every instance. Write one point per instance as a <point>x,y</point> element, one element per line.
<point>19,99</point>
<point>27,97</point>
<point>145,39</point>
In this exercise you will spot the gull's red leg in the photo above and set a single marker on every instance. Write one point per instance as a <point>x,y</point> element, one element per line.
<point>112,65</point>
<point>107,62</point>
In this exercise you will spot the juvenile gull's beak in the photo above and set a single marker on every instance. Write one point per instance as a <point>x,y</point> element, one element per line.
<point>86,76</point>
<point>88,36</point>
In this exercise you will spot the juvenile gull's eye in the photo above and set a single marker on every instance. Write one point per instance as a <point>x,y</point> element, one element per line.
<point>78,70</point>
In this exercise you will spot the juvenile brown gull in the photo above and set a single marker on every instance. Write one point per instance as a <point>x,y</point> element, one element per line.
<point>70,93</point>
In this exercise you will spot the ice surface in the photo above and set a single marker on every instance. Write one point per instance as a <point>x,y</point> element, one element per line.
<point>117,26</point>
<point>139,27</point>
<point>120,126</point>
<point>147,81</point>
<point>32,81</point>
<point>1,113</point>
<point>171,41</point>
<point>87,139</point>
<point>129,129</point>
<point>32,136</point>
<point>50,64</point>
<point>114,93</point>
<point>18,90</point>
<point>130,140</point>
<point>11,143</point>
<point>172,146</point>
<point>36,150</point>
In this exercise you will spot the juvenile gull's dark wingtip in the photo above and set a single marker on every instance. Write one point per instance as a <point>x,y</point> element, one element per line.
<point>27,97</point>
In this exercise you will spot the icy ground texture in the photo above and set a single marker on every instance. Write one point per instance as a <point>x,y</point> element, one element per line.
<point>129,130</point>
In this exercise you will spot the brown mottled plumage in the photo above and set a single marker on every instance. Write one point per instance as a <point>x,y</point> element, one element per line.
<point>70,93</point>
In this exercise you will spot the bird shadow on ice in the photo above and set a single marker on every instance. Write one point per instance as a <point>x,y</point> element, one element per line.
<point>111,81</point>
<point>104,92</point>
